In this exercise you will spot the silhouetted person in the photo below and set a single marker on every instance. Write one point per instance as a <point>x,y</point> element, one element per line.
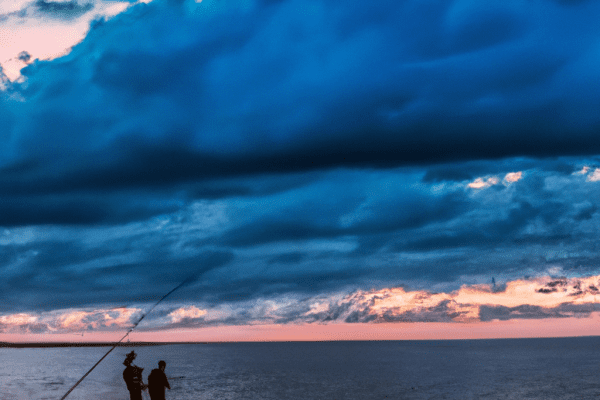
<point>157,382</point>
<point>133,377</point>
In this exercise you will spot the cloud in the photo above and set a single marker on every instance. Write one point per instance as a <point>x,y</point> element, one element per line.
<point>196,105</point>
<point>594,176</point>
<point>216,95</point>
<point>111,268</point>
<point>532,298</point>
<point>481,183</point>
<point>486,182</point>
<point>294,148</point>
<point>70,320</point>
<point>24,56</point>
<point>512,177</point>
<point>302,235</point>
<point>520,299</point>
<point>186,313</point>
<point>62,9</point>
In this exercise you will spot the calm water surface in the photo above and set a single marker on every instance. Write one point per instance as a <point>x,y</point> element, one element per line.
<point>567,368</point>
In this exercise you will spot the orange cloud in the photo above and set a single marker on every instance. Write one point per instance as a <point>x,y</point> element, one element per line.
<point>18,319</point>
<point>512,177</point>
<point>523,299</point>
<point>182,313</point>
<point>520,299</point>
<point>594,176</point>
<point>481,183</point>
<point>582,171</point>
<point>63,321</point>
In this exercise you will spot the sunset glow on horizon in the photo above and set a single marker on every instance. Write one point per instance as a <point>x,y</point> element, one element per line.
<point>514,309</point>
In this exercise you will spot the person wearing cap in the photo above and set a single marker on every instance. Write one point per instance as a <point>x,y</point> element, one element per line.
<point>157,382</point>
<point>132,375</point>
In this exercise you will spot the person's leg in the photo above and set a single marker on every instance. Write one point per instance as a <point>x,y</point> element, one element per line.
<point>135,395</point>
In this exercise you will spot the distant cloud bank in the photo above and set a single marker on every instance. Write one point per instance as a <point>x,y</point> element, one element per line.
<point>533,298</point>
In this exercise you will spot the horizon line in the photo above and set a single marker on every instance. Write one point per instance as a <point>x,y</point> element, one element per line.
<point>161,343</point>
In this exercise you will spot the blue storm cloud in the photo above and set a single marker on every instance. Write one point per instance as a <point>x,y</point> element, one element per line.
<point>333,231</point>
<point>173,92</point>
<point>271,147</point>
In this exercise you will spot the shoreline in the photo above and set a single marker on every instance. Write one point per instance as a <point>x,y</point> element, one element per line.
<point>87,344</point>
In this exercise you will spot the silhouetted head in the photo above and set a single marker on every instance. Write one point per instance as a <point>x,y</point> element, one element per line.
<point>162,365</point>
<point>129,358</point>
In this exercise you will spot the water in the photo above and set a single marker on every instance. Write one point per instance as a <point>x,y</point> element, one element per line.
<point>566,368</point>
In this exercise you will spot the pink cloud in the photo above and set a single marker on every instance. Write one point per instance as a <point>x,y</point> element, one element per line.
<point>512,177</point>
<point>67,321</point>
<point>482,183</point>
<point>535,298</point>
<point>182,313</point>
<point>519,300</point>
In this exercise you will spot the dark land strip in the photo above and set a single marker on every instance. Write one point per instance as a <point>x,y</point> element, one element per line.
<point>87,344</point>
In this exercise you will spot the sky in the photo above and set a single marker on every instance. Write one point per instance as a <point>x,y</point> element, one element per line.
<point>309,170</point>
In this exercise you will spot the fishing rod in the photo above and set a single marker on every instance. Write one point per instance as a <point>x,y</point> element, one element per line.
<point>127,334</point>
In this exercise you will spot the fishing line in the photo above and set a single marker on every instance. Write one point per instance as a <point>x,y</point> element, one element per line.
<point>127,334</point>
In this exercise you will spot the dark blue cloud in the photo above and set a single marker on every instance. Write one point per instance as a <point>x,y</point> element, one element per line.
<point>303,147</point>
<point>62,9</point>
<point>168,93</point>
<point>66,274</point>
<point>502,313</point>
<point>80,209</point>
<point>325,232</point>
<point>400,210</point>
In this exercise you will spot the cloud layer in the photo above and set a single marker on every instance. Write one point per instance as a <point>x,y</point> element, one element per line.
<point>316,233</point>
<point>262,150</point>
<point>167,93</point>
<point>536,298</point>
